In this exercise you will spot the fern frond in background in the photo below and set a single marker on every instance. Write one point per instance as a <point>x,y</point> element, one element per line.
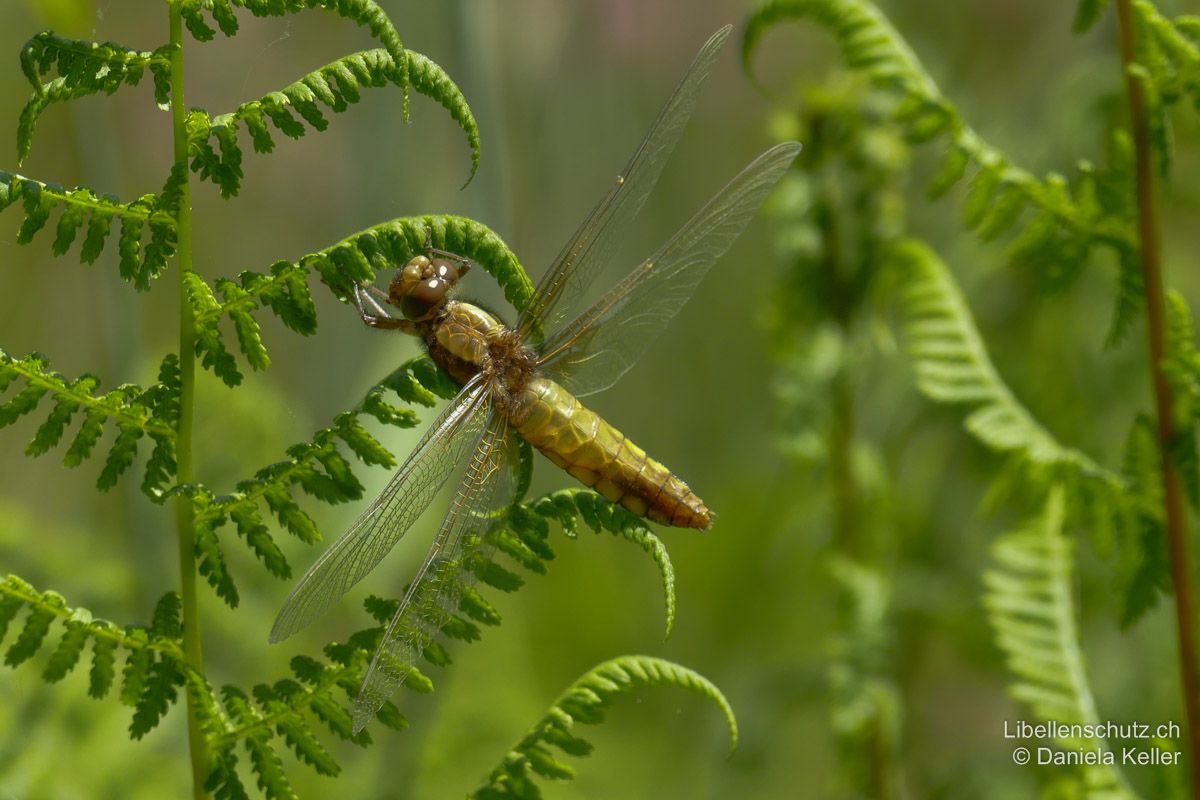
<point>583,703</point>
<point>1031,608</point>
<point>952,366</point>
<point>1057,227</point>
<point>1056,223</point>
<point>834,217</point>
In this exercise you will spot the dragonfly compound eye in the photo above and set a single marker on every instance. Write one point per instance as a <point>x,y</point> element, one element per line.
<point>423,298</point>
<point>445,269</point>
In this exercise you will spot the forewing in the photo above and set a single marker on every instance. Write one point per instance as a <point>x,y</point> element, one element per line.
<point>444,447</point>
<point>596,349</point>
<point>485,490</point>
<point>586,253</point>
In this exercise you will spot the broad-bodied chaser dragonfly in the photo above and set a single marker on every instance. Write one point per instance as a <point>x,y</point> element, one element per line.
<point>525,381</point>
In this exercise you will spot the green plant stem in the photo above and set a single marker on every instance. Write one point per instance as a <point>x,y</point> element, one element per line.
<point>841,434</point>
<point>184,513</point>
<point>848,537</point>
<point>1177,534</point>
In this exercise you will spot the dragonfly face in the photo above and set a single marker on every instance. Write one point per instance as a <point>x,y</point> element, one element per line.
<point>520,384</point>
<point>423,285</point>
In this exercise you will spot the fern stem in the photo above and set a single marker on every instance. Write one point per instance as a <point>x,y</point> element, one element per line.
<point>1151,258</point>
<point>184,512</point>
<point>881,776</point>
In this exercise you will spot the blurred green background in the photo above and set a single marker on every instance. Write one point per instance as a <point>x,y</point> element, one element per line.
<point>563,92</point>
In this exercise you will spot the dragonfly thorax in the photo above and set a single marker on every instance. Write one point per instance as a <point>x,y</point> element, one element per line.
<point>465,341</point>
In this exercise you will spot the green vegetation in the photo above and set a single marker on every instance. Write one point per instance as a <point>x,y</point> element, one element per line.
<point>943,399</point>
<point>165,659</point>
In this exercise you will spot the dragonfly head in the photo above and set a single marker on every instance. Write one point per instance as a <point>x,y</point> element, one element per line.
<point>422,285</point>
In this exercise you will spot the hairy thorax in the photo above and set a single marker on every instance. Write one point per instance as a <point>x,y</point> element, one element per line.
<point>464,340</point>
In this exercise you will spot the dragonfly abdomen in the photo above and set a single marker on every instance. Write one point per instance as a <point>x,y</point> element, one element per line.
<point>599,456</point>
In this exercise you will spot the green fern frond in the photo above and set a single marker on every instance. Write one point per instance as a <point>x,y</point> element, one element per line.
<point>287,714</point>
<point>154,664</point>
<point>284,290</point>
<point>865,702</point>
<point>1029,600</point>
<point>390,244</point>
<point>568,507</point>
<point>952,367</point>
<point>952,364</point>
<point>334,86</point>
<point>1182,368</point>
<point>536,755</point>
<point>135,411</point>
<point>446,604</point>
<point>210,343</point>
<point>1167,63</point>
<point>1143,567</point>
<point>365,13</point>
<point>316,468</point>
<point>139,263</point>
<point>84,68</point>
<point>1056,223</point>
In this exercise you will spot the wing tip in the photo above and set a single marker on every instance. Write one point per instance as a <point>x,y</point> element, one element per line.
<point>718,38</point>
<point>366,705</point>
<point>279,631</point>
<point>287,623</point>
<point>789,150</point>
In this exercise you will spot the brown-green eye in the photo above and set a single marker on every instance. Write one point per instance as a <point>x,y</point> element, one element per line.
<point>423,297</point>
<point>445,269</point>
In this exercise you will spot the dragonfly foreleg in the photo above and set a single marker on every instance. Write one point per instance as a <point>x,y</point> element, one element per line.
<point>376,316</point>
<point>464,264</point>
<point>377,292</point>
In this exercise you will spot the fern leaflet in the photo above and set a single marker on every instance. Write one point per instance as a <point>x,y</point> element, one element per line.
<point>316,467</point>
<point>952,364</point>
<point>154,665</point>
<point>1030,605</point>
<point>1065,221</point>
<point>335,86</point>
<point>953,367</point>
<point>365,13</point>
<point>136,411</point>
<point>84,68</point>
<point>139,263</point>
<point>584,702</point>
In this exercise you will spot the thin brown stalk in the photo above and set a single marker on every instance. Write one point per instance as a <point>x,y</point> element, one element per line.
<point>1151,258</point>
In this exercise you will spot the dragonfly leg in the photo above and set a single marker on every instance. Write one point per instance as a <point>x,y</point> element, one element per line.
<point>381,319</point>
<point>371,301</point>
<point>464,264</point>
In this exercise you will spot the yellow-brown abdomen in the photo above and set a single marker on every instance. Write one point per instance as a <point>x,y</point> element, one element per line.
<point>598,455</point>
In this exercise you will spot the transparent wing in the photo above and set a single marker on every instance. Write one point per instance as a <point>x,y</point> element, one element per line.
<point>586,253</point>
<point>443,448</point>
<point>596,349</point>
<point>485,490</point>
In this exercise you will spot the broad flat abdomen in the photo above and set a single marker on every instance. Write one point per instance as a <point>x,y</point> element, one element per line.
<point>598,455</point>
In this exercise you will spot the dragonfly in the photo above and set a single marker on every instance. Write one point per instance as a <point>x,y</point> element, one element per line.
<point>525,382</point>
